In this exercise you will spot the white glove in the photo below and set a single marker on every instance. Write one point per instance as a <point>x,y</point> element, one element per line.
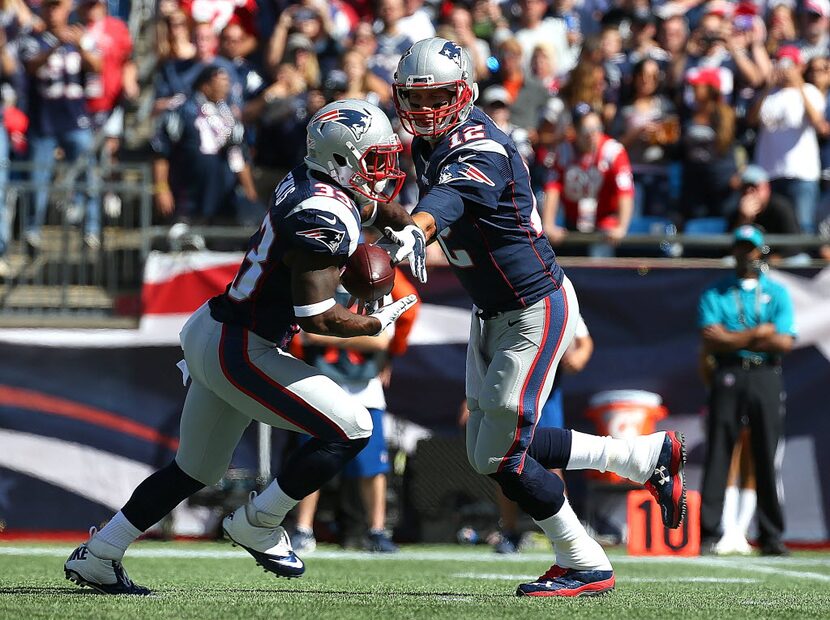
<point>391,313</point>
<point>410,243</point>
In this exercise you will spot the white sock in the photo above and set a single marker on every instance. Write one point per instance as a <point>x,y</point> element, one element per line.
<point>729,517</point>
<point>271,506</point>
<point>574,548</point>
<point>112,540</point>
<point>746,510</point>
<point>634,458</point>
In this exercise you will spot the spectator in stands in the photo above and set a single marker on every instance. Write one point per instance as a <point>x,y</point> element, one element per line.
<point>488,19</point>
<point>417,21</point>
<point>528,95</point>
<point>674,37</point>
<point>8,69</point>
<point>815,23</point>
<point>199,162</point>
<point>818,74</point>
<point>643,43</point>
<point>612,58</point>
<point>748,338</point>
<point>761,208</point>
<point>59,62</point>
<point>788,112</point>
<point>282,112</point>
<point>543,68</point>
<point>362,84</point>
<point>392,41</point>
<point>707,51</point>
<point>118,76</point>
<point>648,127</point>
<point>592,181</point>
<point>495,101</point>
<point>363,40</point>
<point>313,20</point>
<point>175,79</point>
<point>550,134</point>
<point>535,28</point>
<point>461,22</point>
<point>173,38</point>
<point>707,149</point>
<point>781,28</point>
<point>586,84</point>
<point>221,13</point>
<point>231,44</point>
<point>300,52</point>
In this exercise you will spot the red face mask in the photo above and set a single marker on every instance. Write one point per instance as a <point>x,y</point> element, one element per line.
<point>434,122</point>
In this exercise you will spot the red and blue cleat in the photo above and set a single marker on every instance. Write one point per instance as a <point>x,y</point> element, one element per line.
<point>667,484</point>
<point>570,582</point>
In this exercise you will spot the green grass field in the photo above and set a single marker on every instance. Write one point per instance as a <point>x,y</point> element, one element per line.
<point>214,580</point>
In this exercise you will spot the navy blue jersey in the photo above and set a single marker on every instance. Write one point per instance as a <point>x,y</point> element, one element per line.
<point>477,187</point>
<point>176,77</point>
<point>306,214</point>
<point>203,141</point>
<point>57,97</point>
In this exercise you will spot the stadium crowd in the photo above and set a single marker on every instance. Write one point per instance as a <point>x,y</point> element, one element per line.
<point>632,115</point>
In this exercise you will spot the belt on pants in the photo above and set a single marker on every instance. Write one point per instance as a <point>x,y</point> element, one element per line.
<point>749,363</point>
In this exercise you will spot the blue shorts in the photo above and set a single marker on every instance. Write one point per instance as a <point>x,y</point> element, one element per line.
<point>553,413</point>
<point>374,458</point>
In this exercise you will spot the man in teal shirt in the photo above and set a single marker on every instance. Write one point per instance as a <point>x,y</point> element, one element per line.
<point>746,323</point>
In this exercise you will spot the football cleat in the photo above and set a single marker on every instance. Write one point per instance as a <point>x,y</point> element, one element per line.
<point>668,484</point>
<point>269,546</point>
<point>560,581</point>
<point>507,544</point>
<point>105,576</point>
<point>380,542</point>
<point>303,540</point>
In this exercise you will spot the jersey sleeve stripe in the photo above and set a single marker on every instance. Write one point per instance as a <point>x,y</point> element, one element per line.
<point>481,146</point>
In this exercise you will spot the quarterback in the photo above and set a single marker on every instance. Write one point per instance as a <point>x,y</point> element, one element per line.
<point>475,200</point>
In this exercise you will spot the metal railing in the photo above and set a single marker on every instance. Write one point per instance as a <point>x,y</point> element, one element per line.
<point>63,275</point>
<point>66,281</point>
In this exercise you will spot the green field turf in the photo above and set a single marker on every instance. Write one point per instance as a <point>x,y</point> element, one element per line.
<point>213,580</point>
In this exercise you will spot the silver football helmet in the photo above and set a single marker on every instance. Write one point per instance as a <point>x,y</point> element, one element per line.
<point>434,63</point>
<point>353,142</point>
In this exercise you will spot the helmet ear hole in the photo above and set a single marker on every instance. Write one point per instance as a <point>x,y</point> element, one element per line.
<point>339,159</point>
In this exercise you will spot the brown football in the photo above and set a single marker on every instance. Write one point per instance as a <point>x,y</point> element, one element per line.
<point>369,274</point>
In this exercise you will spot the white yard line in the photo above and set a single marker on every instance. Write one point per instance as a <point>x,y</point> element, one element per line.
<point>772,566</point>
<point>623,580</point>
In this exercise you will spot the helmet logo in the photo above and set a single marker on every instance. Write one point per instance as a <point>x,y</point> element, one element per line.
<point>356,121</point>
<point>453,52</point>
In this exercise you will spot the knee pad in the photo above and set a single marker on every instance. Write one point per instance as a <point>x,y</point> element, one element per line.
<point>537,491</point>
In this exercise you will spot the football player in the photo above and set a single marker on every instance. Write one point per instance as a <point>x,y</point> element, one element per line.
<point>234,349</point>
<point>476,201</point>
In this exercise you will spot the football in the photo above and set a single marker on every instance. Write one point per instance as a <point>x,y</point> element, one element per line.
<point>369,274</point>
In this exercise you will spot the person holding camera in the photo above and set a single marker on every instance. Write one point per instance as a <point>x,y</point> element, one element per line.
<point>648,127</point>
<point>760,207</point>
<point>788,113</point>
<point>747,324</point>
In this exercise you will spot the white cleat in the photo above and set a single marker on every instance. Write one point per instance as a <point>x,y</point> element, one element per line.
<point>105,576</point>
<point>269,546</point>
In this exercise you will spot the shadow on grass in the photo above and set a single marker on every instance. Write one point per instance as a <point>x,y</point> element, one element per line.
<point>50,590</point>
<point>353,593</point>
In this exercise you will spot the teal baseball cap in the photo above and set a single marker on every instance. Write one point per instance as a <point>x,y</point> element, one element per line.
<point>750,234</point>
